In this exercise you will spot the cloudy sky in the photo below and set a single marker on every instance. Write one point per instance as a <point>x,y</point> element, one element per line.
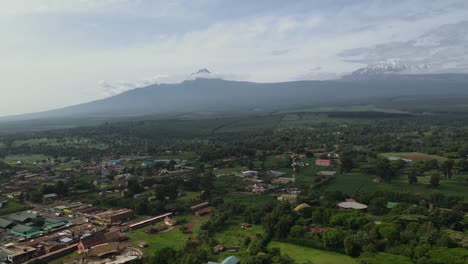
<point>55,53</point>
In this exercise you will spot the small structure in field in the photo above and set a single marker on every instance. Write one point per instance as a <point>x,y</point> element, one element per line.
<point>323,162</point>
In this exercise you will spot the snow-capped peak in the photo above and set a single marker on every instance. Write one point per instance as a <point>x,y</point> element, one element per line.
<point>203,71</point>
<point>389,66</point>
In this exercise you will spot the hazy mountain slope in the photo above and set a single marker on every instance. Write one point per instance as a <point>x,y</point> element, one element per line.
<point>226,96</point>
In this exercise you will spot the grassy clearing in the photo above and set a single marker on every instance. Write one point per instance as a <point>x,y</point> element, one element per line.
<point>189,197</point>
<point>384,258</point>
<point>247,198</point>
<point>174,239</point>
<point>353,182</point>
<point>414,156</point>
<point>233,235</point>
<point>182,156</point>
<point>54,142</point>
<point>12,159</point>
<point>12,207</point>
<point>233,170</point>
<point>303,255</point>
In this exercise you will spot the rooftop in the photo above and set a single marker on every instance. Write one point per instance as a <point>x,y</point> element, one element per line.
<point>352,205</point>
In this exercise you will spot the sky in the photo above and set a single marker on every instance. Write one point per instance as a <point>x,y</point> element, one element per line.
<point>56,53</point>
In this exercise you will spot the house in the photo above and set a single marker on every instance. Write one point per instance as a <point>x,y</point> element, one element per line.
<point>351,204</point>
<point>90,241</point>
<point>284,180</point>
<point>245,225</point>
<point>317,229</point>
<point>101,181</point>
<point>203,211</point>
<point>49,198</point>
<point>114,236</point>
<point>249,173</point>
<point>326,173</point>
<point>3,203</point>
<point>290,198</point>
<point>275,173</point>
<point>17,254</point>
<point>301,206</point>
<point>199,206</point>
<point>323,162</point>
<point>113,216</point>
<point>169,221</point>
<point>218,248</point>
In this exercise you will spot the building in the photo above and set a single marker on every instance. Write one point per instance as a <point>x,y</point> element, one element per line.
<point>149,221</point>
<point>276,173</point>
<point>54,223</point>
<point>199,206</point>
<point>301,206</point>
<point>26,231</point>
<point>6,224</point>
<point>104,250</point>
<point>326,173</point>
<point>49,198</point>
<point>228,260</point>
<point>23,217</point>
<point>169,221</point>
<point>290,198</point>
<point>17,254</point>
<point>90,241</point>
<point>352,205</point>
<point>249,173</point>
<point>218,248</point>
<point>113,216</point>
<point>284,180</point>
<point>323,162</point>
<point>203,211</point>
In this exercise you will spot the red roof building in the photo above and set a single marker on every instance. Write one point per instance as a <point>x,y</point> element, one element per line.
<point>323,162</point>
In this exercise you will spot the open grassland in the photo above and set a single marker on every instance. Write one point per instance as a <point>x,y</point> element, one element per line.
<point>414,156</point>
<point>305,255</point>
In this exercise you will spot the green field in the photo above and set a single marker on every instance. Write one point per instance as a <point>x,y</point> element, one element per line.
<point>414,156</point>
<point>353,182</point>
<point>248,199</point>
<point>171,237</point>
<point>233,235</point>
<point>384,258</point>
<point>12,207</point>
<point>65,142</point>
<point>12,159</point>
<point>305,255</point>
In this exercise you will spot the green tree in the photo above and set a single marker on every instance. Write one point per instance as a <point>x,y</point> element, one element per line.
<point>434,181</point>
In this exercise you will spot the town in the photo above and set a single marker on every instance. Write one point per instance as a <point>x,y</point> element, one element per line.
<point>213,205</point>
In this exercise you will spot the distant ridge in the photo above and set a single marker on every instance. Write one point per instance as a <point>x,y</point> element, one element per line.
<point>222,96</point>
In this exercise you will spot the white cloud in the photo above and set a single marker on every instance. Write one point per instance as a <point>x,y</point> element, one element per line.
<point>277,45</point>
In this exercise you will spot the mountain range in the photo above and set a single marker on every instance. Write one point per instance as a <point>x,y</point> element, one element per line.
<point>376,83</point>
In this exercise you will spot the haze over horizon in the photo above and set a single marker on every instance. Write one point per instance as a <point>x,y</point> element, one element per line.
<point>57,53</point>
